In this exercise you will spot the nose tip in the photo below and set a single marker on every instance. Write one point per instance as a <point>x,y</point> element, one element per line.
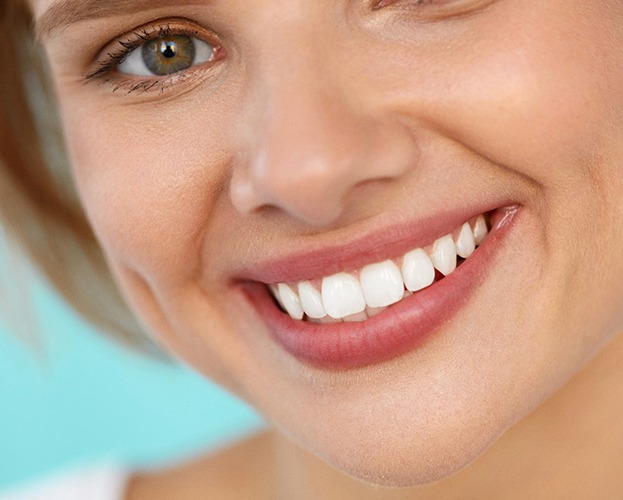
<point>307,190</point>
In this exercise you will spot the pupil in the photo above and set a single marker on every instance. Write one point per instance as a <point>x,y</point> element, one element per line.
<point>168,49</point>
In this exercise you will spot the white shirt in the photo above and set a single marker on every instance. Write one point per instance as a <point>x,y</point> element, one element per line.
<point>100,483</point>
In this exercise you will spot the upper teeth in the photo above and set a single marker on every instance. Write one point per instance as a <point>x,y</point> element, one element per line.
<point>358,295</point>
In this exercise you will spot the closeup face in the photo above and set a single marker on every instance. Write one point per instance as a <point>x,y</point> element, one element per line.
<point>331,153</point>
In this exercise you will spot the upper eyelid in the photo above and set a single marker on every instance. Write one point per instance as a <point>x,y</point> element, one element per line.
<point>161,27</point>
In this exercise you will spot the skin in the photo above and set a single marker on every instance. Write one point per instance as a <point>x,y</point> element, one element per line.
<point>328,120</point>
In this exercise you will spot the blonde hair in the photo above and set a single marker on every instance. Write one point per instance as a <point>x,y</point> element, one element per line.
<point>39,209</point>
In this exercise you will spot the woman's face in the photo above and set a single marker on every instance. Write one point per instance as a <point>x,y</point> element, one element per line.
<point>293,140</point>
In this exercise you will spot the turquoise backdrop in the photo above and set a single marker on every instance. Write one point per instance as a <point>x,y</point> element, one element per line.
<point>72,398</point>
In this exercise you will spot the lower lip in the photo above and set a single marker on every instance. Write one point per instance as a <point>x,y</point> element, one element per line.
<point>399,329</point>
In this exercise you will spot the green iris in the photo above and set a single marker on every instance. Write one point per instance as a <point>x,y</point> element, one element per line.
<point>169,54</point>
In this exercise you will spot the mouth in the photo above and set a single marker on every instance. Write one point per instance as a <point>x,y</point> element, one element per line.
<point>363,293</point>
<point>383,308</point>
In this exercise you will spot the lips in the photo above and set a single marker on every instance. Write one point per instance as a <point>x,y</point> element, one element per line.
<point>383,308</point>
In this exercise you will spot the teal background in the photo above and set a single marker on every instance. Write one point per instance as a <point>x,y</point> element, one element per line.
<point>69,397</point>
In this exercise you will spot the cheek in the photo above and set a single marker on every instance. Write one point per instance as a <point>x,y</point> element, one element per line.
<point>148,183</point>
<point>546,110</point>
<point>540,97</point>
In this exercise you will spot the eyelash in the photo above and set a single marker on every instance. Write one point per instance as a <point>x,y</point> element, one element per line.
<point>105,72</point>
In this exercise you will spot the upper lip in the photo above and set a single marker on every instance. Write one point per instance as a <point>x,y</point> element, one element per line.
<point>316,258</point>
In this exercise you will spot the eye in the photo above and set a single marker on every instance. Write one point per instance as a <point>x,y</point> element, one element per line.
<point>165,55</point>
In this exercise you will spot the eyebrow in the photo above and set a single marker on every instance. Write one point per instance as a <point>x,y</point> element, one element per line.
<point>63,13</point>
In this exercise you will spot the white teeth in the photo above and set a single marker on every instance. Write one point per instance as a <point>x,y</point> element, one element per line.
<point>358,296</point>
<point>465,243</point>
<point>311,300</point>
<point>342,295</point>
<point>275,291</point>
<point>381,284</point>
<point>417,270</point>
<point>480,229</point>
<point>290,301</point>
<point>444,255</point>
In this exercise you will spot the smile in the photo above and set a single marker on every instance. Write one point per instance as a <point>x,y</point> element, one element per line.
<point>382,307</point>
<point>366,292</point>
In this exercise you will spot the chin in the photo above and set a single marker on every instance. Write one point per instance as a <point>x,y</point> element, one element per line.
<point>411,463</point>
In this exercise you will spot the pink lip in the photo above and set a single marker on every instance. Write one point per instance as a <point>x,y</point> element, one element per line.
<point>319,260</point>
<point>401,328</point>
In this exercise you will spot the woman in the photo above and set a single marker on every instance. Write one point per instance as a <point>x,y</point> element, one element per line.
<point>290,194</point>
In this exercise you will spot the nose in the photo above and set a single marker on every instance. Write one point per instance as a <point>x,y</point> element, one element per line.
<point>311,142</point>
